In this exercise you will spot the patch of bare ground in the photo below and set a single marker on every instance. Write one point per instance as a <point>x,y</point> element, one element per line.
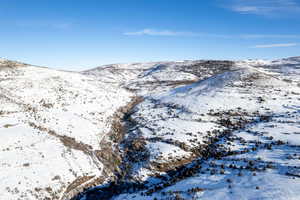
<point>6,112</point>
<point>9,125</point>
<point>7,64</point>
<point>172,164</point>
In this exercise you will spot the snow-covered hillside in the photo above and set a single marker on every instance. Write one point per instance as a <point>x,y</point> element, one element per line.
<point>224,134</point>
<point>51,125</point>
<point>237,135</point>
<point>161,130</point>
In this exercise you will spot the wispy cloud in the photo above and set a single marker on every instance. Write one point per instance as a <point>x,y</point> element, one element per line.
<point>153,32</point>
<point>264,7</point>
<point>270,36</point>
<point>275,45</point>
<point>172,33</point>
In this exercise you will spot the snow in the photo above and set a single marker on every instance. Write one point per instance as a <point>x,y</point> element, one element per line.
<point>165,150</point>
<point>60,104</point>
<point>247,89</point>
<point>185,105</point>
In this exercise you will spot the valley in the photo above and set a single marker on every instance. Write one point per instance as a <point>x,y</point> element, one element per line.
<point>199,129</point>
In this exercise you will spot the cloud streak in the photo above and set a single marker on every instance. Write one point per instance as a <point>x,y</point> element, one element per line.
<point>275,45</point>
<point>265,7</point>
<point>153,32</point>
<point>171,33</point>
<point>270,36</point>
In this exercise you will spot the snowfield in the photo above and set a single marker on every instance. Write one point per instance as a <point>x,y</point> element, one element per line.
<point>160,130</point>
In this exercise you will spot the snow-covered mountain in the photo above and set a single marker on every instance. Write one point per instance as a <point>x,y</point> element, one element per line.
<point>162,130</point>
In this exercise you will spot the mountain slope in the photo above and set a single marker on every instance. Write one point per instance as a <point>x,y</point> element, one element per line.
<point>224,136</point>
<point>168,130</point>
<point>51,126</point>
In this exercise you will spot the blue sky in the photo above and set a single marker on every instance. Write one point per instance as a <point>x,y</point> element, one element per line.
<point>79,34</point>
